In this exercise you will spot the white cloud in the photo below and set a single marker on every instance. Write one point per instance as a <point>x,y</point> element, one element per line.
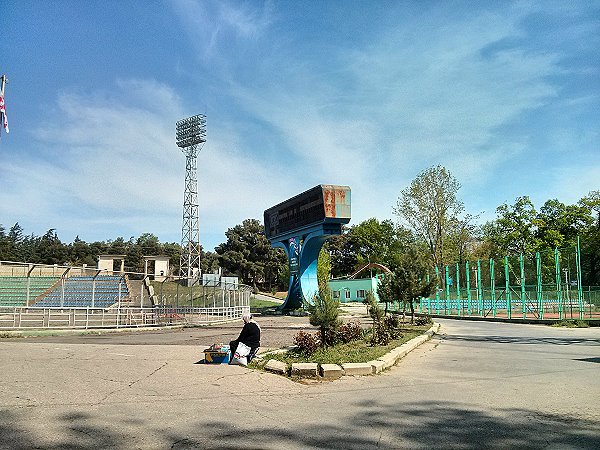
<point>442,96</point>
<point>113,164</point>
<point>431,92</point>
<point>212,24</point>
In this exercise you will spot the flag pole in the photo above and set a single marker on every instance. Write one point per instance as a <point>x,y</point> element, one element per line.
<point>3,122</point>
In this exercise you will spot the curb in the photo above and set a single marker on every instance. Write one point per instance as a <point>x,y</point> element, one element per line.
<point>386,361</point>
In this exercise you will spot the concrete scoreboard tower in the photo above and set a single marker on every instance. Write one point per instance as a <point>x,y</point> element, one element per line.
<point>301,225</point>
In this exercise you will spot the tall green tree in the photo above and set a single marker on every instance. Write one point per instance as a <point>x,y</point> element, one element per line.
<point>5,245</point>
<point>323,270</point>
<point>370,241</point>
<point>515,229</point>
<point>590,245</point>
<point>387,292</point>
<point>410,282</point>
<point>248,253</point>
<point>11,249</point>
<point>428,206</point>
<point>376,242</point>
<point>79,253</point>
<point>51,250</point>
<point>343,256</point>
<point>558,225</point>
<point>463,238</point>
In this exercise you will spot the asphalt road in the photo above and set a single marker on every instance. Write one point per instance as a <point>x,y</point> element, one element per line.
<point>477,385</point>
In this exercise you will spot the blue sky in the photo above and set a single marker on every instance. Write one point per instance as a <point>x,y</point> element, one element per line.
<point>506,95</point>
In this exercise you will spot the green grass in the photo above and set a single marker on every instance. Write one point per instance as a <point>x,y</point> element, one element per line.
<point>356,351</point>
<point>572,324</point>
<point>258,306</point>
<point>198,296</point>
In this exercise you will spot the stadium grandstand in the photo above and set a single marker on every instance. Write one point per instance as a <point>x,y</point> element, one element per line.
<point>43,296</point>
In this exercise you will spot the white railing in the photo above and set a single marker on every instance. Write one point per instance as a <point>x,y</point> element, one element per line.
<point>20,318</point>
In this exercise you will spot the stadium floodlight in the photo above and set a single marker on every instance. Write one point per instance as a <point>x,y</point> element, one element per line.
<point>191,132</point>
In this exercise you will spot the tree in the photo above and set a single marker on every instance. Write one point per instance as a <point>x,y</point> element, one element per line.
<point>249,254</point>
<point>5,245</point>
<point>558,225</point>
<point>515,229</point>
<point>323,270</point>
<point>428,205</point>
<point>343,256</point>
<point>324,314</point>
<point>409,282</point>
<point>209,261</point>
<point>590,247</point>
<point>149,244</point>
<point>10,249</point>
<point>379,335</point>
<point>386,291</point>
<point>369,241</point>
<point>375,241</point>
<point>463,236</point>
<point>79,253</point>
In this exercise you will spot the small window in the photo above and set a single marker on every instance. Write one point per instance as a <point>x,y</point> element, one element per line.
<point>347,294</point>
<point>360,293</point>
<point>336,294</point>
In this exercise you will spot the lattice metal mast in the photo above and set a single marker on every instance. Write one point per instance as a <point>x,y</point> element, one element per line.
<point>191,136</point>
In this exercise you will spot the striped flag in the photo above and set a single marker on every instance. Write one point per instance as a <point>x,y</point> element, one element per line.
<point>3,113</point>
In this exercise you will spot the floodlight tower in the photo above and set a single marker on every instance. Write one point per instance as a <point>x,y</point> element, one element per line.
<point>191,136</point>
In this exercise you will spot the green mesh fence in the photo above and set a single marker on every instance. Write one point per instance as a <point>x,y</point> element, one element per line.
<point>544,285</point>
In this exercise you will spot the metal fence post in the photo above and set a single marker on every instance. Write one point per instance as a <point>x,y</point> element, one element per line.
<point>479,286</point>
<point>557,284</point>
<point>538,270</point>
<point>493,287</point>
<point>458,299</point>
<point>447,294</point>
<point>579,287</point>
<point>468,280</point>
<point>437,290</point>
<point>507,296</point>
<point>522,279</point>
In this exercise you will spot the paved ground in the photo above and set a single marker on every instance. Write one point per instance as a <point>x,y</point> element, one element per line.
<point>278,331</point>
<point>478,385</point>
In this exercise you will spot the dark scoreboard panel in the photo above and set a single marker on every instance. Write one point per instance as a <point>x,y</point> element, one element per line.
<point>321,204</point>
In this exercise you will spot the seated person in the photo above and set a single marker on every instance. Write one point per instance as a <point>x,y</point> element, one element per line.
<point>250,335</point>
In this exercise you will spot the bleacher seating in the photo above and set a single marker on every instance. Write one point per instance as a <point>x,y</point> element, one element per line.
<point>102,291</point>
<point>14,289</point>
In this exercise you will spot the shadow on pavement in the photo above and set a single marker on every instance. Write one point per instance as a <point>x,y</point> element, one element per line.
<point>373,425</point>
<point>521,339</point>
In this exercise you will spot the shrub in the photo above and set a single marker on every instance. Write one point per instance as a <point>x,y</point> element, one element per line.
<point>423,320</point>
<point>392,321</point>
<point>348,332</point>
<point>307,343</point>
<point>379,335</point>
<point>391,324</point>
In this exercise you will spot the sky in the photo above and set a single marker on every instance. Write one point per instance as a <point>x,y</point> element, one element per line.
<point>505,95</point>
